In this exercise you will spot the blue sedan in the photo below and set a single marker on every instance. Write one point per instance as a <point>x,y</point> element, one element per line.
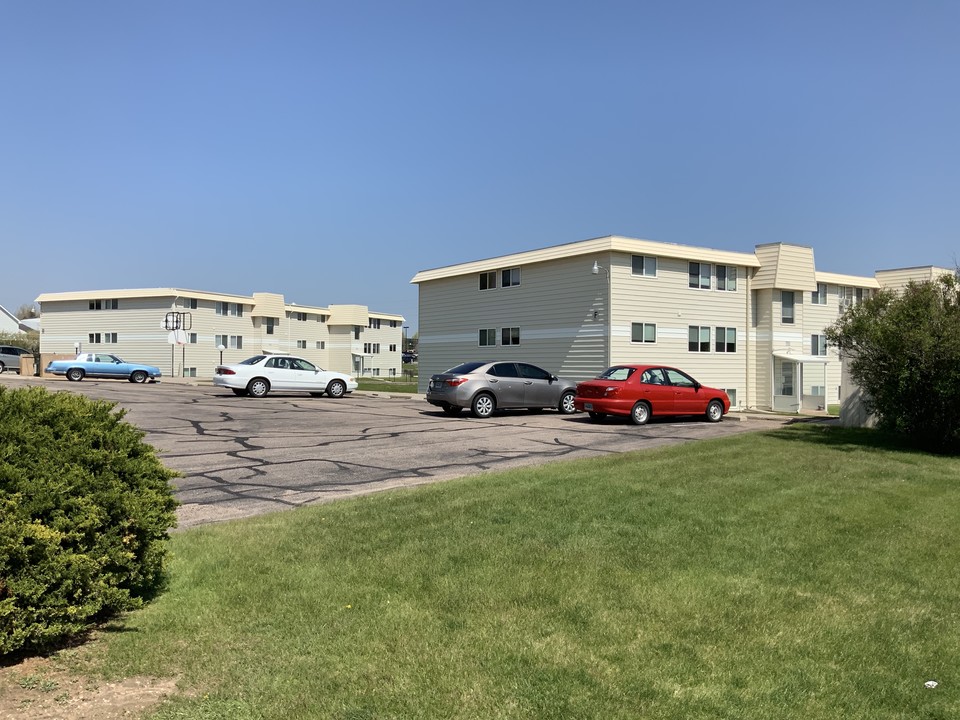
<point>102,365</point>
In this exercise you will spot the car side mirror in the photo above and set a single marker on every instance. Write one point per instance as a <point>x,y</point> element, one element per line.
<point>553,378</point>
<point>696,385</point>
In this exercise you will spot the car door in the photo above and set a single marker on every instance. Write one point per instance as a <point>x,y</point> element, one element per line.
<point>277,371</point>
<point>506,383</point>
<point>687,400</point>
<point>305,377</point>
<point>539,389</point>
<point>654,387</point>
<point>105,366</point>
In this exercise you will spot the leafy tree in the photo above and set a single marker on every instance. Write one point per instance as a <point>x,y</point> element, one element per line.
<point>904,352</point>
<point>26,311</point>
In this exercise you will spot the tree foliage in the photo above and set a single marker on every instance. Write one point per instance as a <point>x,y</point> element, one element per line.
<point>85,511</point>
<point>904,352</point>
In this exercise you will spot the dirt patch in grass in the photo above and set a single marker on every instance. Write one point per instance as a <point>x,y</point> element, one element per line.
<point>38,689</point>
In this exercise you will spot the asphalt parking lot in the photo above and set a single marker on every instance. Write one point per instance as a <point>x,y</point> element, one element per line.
<point>241,456</point>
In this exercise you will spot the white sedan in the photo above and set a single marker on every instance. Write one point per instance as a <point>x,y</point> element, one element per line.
<point>261,374</point>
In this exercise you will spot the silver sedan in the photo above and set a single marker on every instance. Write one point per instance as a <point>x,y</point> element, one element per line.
<point>488,386</point>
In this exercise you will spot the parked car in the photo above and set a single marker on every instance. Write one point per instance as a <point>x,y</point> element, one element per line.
<point>10,357</point>
<point>488,386</point>
<point>103,365</point>
<point>261,374</point>
<point>409,357</point>
<point>645,391</point>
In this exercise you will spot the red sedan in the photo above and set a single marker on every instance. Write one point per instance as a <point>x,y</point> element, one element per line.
<point>643,391</point>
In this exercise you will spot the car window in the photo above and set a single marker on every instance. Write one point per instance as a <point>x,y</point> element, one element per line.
<point>279,362</point>
<point>533,372</point>
<point>299,364</point>
<point>616,373</point>
<point>678,378</point>
<point>253,360</point>
<point>464,368</point>
<point>504,370</point>
<point>652,376</point>
<point>102,358</point>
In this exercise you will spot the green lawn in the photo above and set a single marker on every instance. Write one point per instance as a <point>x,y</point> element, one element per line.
<point>407,383</point>
<point>809,572</point>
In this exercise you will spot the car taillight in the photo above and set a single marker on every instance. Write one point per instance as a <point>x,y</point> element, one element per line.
<point>225,371</point>
<point>611,390</point>
<point>454,382</point>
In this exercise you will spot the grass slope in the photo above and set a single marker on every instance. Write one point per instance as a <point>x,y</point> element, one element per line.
<point>804,573</point>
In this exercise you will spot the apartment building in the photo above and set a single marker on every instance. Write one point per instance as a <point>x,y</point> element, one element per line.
<point>186,333</point>
<point>752,323</point>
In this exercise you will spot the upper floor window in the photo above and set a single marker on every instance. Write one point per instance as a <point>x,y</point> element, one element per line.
<point>510,278</point>
<point>818,344</point>
<point>852,296</point>
<point>698,339</point>
<point>192,338</point>
<point>786,307</point>
<point>819,296</point>
<point>643,265</point>
<point>111,304</point>
<point>374,323</point>
<point>394,323</point>
<point>270,324</point>
<point>726,339</point>
<point>643,333</point>
<point>699,275</point>
<point>188,303</point>
<point>726,277</point>
<point>321,318</point>
<point>302,344</point>
<point>231,309</point>
<point>301,316</point>
<point>488,280</point>
<point>356,332</point>
<point>321,345</point>
<point>510,336</point>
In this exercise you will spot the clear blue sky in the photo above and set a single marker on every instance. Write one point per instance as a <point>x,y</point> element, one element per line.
<point>330,150</point>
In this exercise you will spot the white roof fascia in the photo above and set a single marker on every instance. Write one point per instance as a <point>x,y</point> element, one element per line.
<point>786,355</point>
<point>847,280</point>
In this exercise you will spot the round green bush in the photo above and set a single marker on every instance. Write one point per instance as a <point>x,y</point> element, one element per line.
<point>85,512</point>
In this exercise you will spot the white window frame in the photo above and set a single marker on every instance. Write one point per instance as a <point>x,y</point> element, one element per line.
<point>703,331</point>
<point>700,276</point>
<point>487,334</point>
<point>510,277</point>
<point>729,281</point>
<point>725,343</point>
<point>485,278</point>
<point>784,319</point>
<point>643,327</point>
<point>818,344</point>
<point>507,333</point>
<point>819,296</point>
<point>647,263</point>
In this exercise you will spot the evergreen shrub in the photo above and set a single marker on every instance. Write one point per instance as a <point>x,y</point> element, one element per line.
<point>85,512</point>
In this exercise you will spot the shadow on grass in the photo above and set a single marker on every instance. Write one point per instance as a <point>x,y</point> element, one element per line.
<point>831,434</point>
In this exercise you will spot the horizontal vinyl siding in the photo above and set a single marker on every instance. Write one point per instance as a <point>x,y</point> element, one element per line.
<point>553,306</point>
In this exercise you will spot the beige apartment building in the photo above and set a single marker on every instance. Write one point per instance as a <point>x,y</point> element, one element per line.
<point>186,333</point>
<point>751,323</point>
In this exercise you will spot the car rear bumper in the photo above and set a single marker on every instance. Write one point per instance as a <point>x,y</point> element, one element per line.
<point>606,406</point>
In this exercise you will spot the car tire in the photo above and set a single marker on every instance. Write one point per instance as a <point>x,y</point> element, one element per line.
<point>714,411</point>
<point>2,368</point>
<point>483,405</point>
<point>452,410</point>
<point>258,387</point>
<point>567,406</point>
<point>596,416</point>
<point>138,376</point>
<point>336,388</point>
<point>640,413</point>
<point>75,374</point>
<point>239,392</point>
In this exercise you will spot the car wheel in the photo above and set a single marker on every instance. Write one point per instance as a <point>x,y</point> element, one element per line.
<point>640,413</point>
<point>75,374</point>
<point>483,405</point>
<point>715,411</point>
<point>138,376</point>
<point>597,417</point>
<point>336,389</point>
<point>258,387</point>
<point>567,406</point>
<point>452,410</point>
<point>240,392</point>
<point>2,368</point>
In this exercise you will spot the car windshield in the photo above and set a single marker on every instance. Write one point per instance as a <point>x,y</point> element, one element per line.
<point>616,373</point>
<point>464,368</point>
<point>254,360</point>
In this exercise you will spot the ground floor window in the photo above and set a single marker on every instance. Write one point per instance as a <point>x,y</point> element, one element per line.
<point>190,372</point>
<point>732,394</point>
<point>302,344</point>
<point>510,336</point>
<point>699,339</point>
<point>488,337</point>
<point>726,339</point>
<point>101,338</point>
<point>643,332</point>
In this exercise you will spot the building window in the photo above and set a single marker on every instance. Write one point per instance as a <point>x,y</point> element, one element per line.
<point>270,324</point>
<point>102,338</point>
<point>374,324</point>
<point>394,323</point>
<point>371,348</point>
<point>852,296</point>
<point>393,347</point>
<point>726,339</point>
<point>510,336</point>
<point>488,280</point>
<point>392,372</point>
<point>301,316</point>
<point>321,345</point>
<point>192,338</point>
<point>190,372</point>
<point>301,344</point>
<point>786,307</point>
<point>817,390</point>
<point>221,340</point>
<point>699,339</point>
<point>645,266</point>
<point>321,318</point>
<point>356,332</point>
<point>699,275</point>
<point>488,337</point>
<point>510,278</point>
<point>726,278</point>
<point>236,342</point>
<point>643,333</point>
<point>188,303</point>
<point>231,309</point>
<point>818,344</point>
<point>104,304</point>
<point>732,394</point>
<point>819,296</point>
